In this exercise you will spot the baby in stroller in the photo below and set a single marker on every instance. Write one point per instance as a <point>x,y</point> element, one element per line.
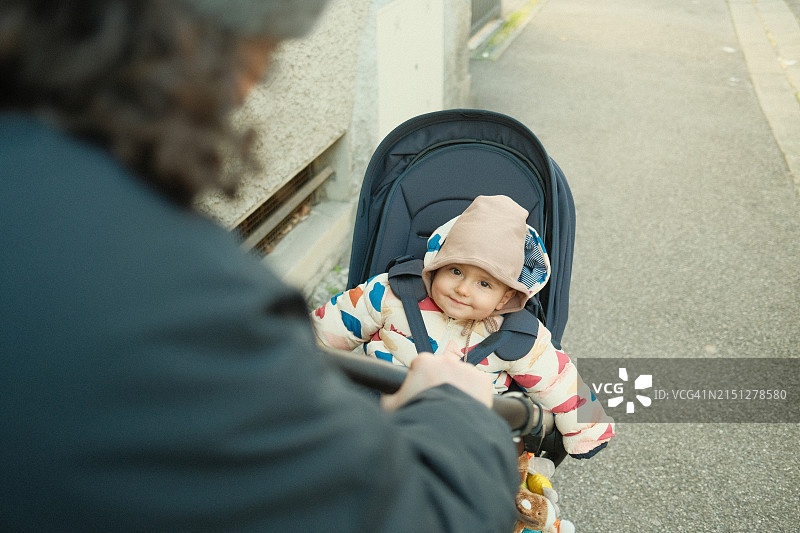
<point>478,268</point>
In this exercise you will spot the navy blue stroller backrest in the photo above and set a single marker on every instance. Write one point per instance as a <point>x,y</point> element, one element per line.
<point>430,168</point>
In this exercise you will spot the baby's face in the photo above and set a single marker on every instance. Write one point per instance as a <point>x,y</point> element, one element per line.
<point>468,292</point>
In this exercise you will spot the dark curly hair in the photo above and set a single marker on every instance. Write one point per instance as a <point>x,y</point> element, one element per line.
<point>147,79</point>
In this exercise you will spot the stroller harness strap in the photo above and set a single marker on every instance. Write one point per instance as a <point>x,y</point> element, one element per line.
<point>512,341</point>
<point>405,280</point>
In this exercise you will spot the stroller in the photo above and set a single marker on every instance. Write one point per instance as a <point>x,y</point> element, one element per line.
<point>427,171</point>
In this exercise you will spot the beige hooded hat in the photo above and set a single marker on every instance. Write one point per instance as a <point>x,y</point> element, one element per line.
<point>492,234</point>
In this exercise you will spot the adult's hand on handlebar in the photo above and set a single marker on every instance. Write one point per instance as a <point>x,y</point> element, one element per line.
<point>427,371</point>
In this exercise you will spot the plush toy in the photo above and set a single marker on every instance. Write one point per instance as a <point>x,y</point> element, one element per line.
<point>537,502</point>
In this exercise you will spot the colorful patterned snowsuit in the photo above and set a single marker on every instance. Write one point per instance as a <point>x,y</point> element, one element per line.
<point>371,317</point>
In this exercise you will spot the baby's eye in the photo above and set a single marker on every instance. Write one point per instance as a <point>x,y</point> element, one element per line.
<point>485,284</point>
<point>455,271</point>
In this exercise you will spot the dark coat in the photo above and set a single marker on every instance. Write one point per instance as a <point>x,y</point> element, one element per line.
<point>154,378</point>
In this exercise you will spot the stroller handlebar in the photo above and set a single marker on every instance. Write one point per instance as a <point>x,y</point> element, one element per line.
<point>522,415</point>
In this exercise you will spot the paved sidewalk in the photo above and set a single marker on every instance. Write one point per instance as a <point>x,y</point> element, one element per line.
<point>676,124</point>
<point>769,35</point>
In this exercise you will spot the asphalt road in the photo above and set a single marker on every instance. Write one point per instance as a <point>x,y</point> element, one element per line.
<point>688,238</point>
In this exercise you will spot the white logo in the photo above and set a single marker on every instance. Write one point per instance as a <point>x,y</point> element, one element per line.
<point>644,381</point>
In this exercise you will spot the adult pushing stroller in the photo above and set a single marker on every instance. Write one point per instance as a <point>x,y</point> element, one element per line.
<point>427,171</point>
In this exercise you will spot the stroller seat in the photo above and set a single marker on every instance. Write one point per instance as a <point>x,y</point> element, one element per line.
<point>430,168</point>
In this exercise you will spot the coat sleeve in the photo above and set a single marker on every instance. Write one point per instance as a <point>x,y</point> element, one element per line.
<point>259,434</point>
<point>549,377</point>
<point>456,479</point>
<point>352,317</point>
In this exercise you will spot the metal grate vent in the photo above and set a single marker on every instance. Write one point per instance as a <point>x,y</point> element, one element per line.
<point>273,203</point>
<point>261,230</point>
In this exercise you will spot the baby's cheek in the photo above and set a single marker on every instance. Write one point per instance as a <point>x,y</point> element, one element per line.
<point>437,299</point>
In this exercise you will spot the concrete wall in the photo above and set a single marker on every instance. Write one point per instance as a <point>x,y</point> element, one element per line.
<point>368,66</point>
